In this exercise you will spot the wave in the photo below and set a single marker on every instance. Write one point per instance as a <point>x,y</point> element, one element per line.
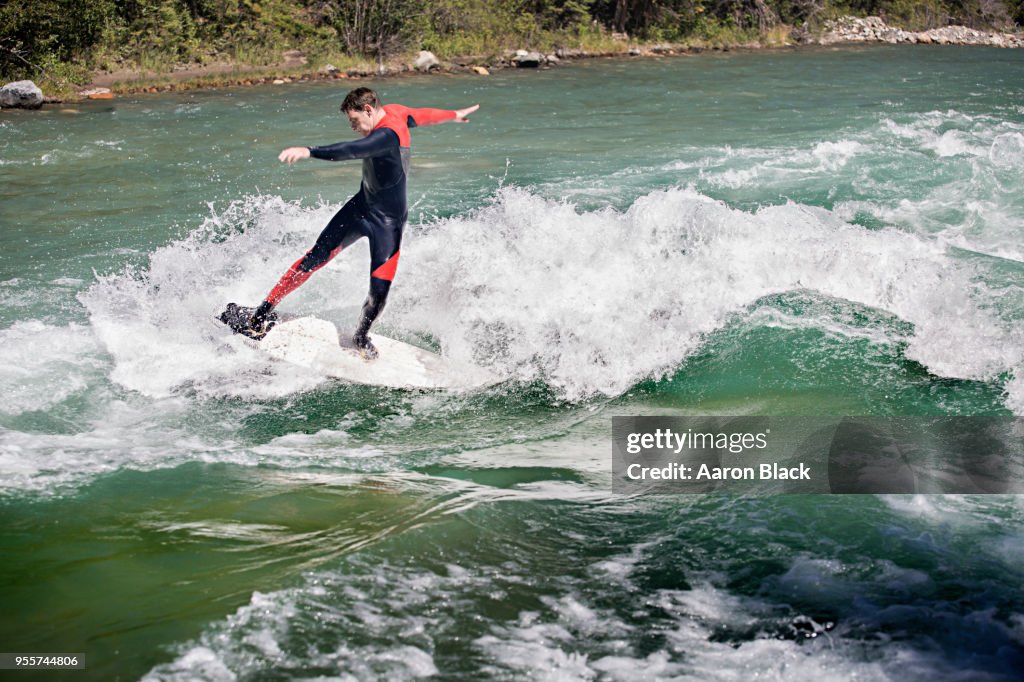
<point>950,175</point>
<point>590,302</point>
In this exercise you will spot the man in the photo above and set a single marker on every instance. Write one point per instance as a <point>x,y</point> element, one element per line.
<point>378,211</point>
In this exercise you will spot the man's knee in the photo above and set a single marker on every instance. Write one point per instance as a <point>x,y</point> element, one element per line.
<point>379,289</point>
<point>377,296</point>
<point>317,257</point>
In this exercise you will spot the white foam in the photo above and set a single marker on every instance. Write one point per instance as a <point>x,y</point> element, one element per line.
<point>945,173</point>
<point>159,324</point>
<point>199,663</point>
<point>757,167</point>
<point>253,639</point>
<point>1007,150</point>
<point>1015,392</point>
<point>541,646</point>
<point>589,301</point>
<point>835,155</point>
<point>42,365</point>
<point>187,109</point>
<point>400,614</point>
<point>952,133</point>
<point>831,324</point>
<point>533,652</point>
<point>122,435</point>
<point>595,301</point>
<point>952,143</point>
<point>945,508</point>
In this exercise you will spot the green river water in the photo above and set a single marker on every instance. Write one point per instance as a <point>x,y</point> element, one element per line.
<point>813,232</point>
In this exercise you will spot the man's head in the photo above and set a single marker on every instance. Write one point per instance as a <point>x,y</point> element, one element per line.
<point>363,108</point>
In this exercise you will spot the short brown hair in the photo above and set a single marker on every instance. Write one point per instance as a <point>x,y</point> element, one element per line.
<point>356,99</point>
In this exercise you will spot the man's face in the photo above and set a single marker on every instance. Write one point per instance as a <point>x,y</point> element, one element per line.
<point>361,120</point>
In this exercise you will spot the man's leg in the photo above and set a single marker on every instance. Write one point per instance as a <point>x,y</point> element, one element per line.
<point>385,240</point>
<point>372,307</point>
<point>341,231</point>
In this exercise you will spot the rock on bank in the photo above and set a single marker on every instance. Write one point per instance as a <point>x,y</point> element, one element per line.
<point>22,95</point>
<point>875,30</point>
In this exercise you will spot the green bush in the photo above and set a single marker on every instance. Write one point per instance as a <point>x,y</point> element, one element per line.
<point>34,31</point>
<point>1016,11</point>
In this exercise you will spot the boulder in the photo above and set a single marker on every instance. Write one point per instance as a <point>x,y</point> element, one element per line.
<point>96,93</point>
<point>330,69</point>
<point>481,71</point>
<point>295,58</point>
<point>22,95</point>
<point>426,61</point>
<point>528,60</point>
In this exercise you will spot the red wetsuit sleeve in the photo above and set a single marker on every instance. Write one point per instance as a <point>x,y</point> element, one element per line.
<point>429,117</point>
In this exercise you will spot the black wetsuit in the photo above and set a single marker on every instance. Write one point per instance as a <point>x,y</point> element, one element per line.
<point>378,211</point>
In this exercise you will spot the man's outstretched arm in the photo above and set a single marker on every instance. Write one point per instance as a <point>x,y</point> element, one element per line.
<point>374,144</point>
<point>429,117</point>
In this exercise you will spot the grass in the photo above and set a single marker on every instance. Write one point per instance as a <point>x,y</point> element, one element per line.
<point>252,64</point>
<point>239,76</point>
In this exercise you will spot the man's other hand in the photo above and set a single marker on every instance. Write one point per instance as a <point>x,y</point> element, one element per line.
<point>293,154</point>
<point>461,114</point>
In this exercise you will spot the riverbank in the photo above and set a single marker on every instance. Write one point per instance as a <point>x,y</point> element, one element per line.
<point>297,67</point>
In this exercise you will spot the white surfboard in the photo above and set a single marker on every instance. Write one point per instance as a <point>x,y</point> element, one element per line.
<point>315,343</point>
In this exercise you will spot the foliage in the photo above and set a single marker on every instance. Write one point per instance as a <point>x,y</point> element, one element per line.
<point>61,40</point>
<point>377,27</point>
<point>1016,10</point>
<point>34,32</point>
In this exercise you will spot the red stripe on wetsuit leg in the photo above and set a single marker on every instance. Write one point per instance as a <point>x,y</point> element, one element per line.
<point>387,270</point>
<point>291,281</point>
<point>294,278</point>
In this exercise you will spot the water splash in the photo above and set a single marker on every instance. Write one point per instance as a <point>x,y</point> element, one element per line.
<point>589,302</point>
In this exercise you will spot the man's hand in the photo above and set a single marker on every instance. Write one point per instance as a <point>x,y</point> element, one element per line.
<point>293,154</point>
<point>461,114</point>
